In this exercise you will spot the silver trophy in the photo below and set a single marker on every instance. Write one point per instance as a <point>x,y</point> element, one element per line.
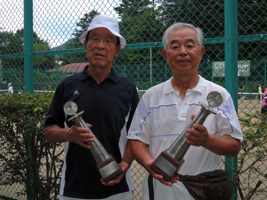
<point>106,164</point>
<point>169,162</point>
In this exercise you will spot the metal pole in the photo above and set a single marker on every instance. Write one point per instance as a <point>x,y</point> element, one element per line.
<point>138,79</point>
<point>246,84</point>
<point>46,80</point>
<point>231,69</point>
<point>212,71</point>
<point>264,76</point>
<point>1,75</point>
<point>1,78</point>
<point>151,67</point>
<point>28,68</point>
<point>28,45</point>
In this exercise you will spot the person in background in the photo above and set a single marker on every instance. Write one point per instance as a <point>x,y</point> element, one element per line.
<point>241,90</point>
<point>108,101</point>
<point>21,90</point>
<point>165,110</point>
<point>260,92</point>
<point>263,110</point>
<point>264,102</point>
<point>10,88</point>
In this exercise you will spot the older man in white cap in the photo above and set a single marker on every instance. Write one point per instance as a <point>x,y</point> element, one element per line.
<point>108,101</point>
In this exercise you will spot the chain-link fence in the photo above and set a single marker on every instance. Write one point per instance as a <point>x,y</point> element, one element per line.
<point>39,46</point>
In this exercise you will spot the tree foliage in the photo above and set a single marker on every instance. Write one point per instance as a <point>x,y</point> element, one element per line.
<point>81,26</point>
<point>26,157</point>
<point>145,21</point>
<point>143,28</point>
<point>13,43</point>
<point>131,8</point>
<point>250,176</point>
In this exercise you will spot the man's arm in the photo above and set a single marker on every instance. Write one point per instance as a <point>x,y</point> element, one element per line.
<point>221,145</point>
<point>127,156</point>
<point>74,134</point>
<point>124,165</point>
<point>143,156</point>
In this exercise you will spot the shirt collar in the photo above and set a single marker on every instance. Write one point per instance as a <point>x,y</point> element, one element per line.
<point>200,87</point>
<point>112,76</point>
<point>168,87</point>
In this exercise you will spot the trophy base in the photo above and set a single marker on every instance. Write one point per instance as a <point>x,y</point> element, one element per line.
<point>109,169</point>
<point>166,165</point>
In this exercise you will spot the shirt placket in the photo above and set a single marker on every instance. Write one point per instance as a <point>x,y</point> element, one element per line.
<point>182,106</point>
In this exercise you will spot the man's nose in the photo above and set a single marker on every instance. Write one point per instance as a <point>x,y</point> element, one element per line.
<point>183,50</point>
<point>101,44</point>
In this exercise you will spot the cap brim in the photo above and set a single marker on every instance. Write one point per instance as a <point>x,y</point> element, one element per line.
<point>122,39</point>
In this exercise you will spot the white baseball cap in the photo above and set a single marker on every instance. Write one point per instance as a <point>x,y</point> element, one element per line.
<point>9,84</point>
<point>103,21</point>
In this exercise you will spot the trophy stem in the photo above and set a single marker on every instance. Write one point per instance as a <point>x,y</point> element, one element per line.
<point>98,151</point>
<point>106,164</point>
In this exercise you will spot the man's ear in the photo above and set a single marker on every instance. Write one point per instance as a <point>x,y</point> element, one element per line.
<point>202,51</point>
<point>118,48</point>
<point>85,44</point>
<point>164,54</point>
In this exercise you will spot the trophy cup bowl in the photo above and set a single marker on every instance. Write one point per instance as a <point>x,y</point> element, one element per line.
<point>106,164</point>
<point>169,162</point>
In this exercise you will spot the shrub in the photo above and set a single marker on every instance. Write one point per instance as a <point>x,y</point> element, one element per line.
<point>26,157</point>
<point>253,156</point>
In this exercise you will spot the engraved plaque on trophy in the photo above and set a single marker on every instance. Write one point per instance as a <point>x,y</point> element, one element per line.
<point>106,164</point>
<point>169,162</point>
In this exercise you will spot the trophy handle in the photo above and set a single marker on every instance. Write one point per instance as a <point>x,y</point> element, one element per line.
<point>99,152</point>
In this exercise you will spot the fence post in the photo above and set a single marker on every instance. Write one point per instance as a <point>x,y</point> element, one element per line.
<point>264,76</point>
<point>150,64</point>
<point>138,79</point>
<point>212,72</point>
<point>28,69</point>
<point>28,45</point>
<point>231,67</point>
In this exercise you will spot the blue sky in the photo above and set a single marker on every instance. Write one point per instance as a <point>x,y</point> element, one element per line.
<point>53,20</point>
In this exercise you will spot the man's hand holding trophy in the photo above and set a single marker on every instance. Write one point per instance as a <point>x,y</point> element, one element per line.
<point>106,164</point>
<point>171,160</point>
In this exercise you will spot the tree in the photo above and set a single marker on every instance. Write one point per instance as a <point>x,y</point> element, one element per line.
<point>40,60</point>
<point>82,26</point>
<point>144,27</point>
<point>26,157</point>
<point>250,176</point>
<point>131,8</point>
<point>208,15</point>
<point>252,21</point>
<point>13,43</point>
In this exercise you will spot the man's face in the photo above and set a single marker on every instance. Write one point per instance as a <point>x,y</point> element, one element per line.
<point>183,53</point>
<point>101,48</point>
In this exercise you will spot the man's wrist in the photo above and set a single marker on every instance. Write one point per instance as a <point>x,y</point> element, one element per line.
<point>66,135</point>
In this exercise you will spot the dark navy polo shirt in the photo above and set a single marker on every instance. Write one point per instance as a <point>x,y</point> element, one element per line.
<point>109,107</point>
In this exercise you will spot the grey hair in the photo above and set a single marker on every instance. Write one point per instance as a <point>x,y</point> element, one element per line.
<point>179,25</point>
